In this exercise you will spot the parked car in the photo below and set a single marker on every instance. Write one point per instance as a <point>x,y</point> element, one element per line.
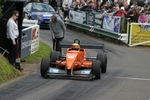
<point>41,12</point>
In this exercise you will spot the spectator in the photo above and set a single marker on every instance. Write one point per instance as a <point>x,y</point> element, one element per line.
<point>57,29</point>
<point>145,7</point>
<point>143,18</point>
<point>117,5</point>
<point>104,10</point>
<point>123,23</point>
<point>66,6</point>
<point>111,11</point>
<point>138,10</point>
<point>59,7</point>
<point>117,11</point>
<point>126,6</point>
<point>53,3</point>
<point>83,5</point>
<point>77,5</point>
<point>103,2</point>
<point>12,36</point>
<point>148,14</point>
<point>123,11</point>
<point>131,8</point>
<point>99,5</point>
<point>141,3</point>
<point>93,8</point>
<point>108,4</point>
<point>132,16</point>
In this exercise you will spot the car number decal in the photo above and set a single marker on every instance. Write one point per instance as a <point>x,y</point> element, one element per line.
<point>85,72</point>
<point>54,70</point>
<point>71,57</point>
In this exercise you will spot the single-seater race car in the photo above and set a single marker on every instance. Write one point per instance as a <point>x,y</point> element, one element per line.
<point>75,62</point>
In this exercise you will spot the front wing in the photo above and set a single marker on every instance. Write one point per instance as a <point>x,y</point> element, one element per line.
<point>84,73</point>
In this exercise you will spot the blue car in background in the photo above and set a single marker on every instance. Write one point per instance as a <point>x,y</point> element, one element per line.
<point>41,12</point>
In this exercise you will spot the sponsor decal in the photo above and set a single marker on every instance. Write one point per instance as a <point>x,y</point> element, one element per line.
<point>85,72</point>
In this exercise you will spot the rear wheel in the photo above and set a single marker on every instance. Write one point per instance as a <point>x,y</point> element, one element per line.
<point>103,58</point>
<point>55,55</point>
<point>96,69</point>
<point>44,67</point>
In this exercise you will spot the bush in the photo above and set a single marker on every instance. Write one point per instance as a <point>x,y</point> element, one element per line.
<point>2,2</point>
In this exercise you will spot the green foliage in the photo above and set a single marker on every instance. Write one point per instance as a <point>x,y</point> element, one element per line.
<point>2,2</point>
<point>7,71</point>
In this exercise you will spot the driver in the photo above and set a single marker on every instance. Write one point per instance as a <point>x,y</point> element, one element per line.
<point>75,46</point>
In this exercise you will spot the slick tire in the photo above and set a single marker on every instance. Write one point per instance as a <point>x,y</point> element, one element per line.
<point>96,69</point>
<point>44,67</point>
<point>103,58</point>
<point>55,55</point>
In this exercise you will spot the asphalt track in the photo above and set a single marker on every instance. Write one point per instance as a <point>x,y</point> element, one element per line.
<point>127,77</point>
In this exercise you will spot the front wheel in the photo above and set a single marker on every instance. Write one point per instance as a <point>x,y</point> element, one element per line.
<point>44,67</point>
<point>103,58</point>
<point>96,69</point>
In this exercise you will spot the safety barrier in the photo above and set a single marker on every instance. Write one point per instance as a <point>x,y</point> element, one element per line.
<point>29,38</point>
<point>139,34</point>
<point>111,27</point>
<point>95,22</point>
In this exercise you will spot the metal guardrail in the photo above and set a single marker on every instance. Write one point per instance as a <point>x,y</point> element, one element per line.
<point>94,29</point>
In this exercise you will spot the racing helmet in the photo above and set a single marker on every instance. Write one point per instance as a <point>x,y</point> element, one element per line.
<point>75,46</point>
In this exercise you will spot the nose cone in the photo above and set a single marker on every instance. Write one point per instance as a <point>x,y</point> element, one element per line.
<point>70,59</point>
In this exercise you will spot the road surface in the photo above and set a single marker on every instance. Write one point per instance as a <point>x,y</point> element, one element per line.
<point>127,77</point>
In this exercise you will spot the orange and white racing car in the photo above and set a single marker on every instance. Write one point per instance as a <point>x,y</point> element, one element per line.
<point>75,62</point>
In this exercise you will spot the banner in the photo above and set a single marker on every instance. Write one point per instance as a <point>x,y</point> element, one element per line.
<point>112,23</point>
<point>78,17</point>
<point>35,39</point>
<point>117,21</point>
<point>98,20</point>
<point>90,19</point>
<point>108,23</point>
<point>139,34</point>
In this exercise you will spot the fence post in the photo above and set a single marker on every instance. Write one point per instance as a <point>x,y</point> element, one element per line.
<point>129,26</point>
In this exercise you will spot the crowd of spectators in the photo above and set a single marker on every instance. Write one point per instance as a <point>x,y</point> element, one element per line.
<point>133,11</point>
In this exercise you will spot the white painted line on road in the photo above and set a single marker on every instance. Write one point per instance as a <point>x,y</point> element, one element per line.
<point>130,78</point>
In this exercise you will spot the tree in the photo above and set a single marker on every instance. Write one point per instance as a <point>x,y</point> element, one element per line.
<point>2,2</point>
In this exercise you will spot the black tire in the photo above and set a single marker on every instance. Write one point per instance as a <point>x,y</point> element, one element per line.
<point>44,67</point>
<point>103,58</point>
<point>55,55</point>
<point>96,69</point>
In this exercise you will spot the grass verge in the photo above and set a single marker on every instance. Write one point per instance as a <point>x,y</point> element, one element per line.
<point>43,52</point>
<point>8,72</point>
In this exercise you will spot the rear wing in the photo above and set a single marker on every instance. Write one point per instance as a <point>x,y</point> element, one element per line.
<point>84,45</point>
